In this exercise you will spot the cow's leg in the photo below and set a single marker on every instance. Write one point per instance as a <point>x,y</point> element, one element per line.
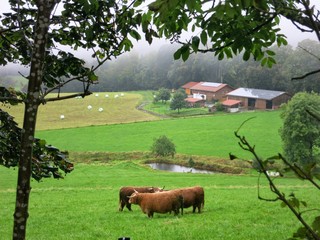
<point>150,214</point>
<point>128,205</point>
<point>121,205</point>
<point>194,208</point>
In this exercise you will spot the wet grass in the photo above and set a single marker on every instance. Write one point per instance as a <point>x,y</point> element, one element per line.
<point>204,136</point>
<point>85,206</point>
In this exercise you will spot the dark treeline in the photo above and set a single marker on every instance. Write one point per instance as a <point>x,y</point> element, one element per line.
<point>154,70</point>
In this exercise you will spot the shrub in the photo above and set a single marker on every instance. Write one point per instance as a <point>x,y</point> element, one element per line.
<point>163,147</point>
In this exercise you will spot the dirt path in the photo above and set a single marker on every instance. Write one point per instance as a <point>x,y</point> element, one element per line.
<point>141,108</point>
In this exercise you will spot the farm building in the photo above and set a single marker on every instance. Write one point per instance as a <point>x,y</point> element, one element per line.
<point>251,98</point>
<point>206,91</point>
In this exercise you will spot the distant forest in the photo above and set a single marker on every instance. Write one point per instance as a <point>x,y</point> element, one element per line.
<point>154,70</point>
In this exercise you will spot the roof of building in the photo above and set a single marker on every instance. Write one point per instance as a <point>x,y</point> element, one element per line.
<point>208,86</point>
<point>255,93</point>
<point>189,84</point>
<point>193,100</point>
<point>230,102</point>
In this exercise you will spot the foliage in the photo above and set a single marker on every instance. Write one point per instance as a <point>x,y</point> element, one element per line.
<point>301,131</point>
<point>47,160</point>
<point>309,230</point>
<point>178,100</point>
<point>228,28</point>
<point>219,106</point>
<point>163,95</point>
<point>163,147</point>
<point>157,69</point>
<point>32,35</point>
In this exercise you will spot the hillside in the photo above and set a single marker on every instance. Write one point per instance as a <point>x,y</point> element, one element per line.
<point>121,109</point>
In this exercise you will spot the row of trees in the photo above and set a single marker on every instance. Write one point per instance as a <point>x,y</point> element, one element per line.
<point>154,70</point>
<point>135,71</point>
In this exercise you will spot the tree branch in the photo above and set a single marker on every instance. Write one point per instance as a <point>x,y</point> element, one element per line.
<point>306,75</point>
<point>86,93</point>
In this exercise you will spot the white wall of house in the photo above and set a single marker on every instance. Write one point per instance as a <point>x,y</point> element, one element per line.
<point>199,96</point>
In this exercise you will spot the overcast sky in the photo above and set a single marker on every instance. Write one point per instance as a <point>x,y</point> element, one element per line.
<point>294,36</point>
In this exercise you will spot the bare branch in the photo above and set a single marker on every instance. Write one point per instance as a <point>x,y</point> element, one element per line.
<point>87,93</point>
<point>306,75</point>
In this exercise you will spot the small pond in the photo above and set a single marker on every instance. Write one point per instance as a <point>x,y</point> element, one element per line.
<point>176,168</point>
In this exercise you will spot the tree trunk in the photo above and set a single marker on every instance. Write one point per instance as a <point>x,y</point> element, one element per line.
<point>30,116</point>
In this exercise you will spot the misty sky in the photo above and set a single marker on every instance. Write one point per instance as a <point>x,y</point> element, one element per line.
<point>294,36</point>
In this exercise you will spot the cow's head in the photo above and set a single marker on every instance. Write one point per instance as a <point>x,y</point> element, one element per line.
<point>155,189</point>
<point>133,198</point>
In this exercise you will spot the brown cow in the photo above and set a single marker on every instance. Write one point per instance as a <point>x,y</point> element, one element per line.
<point>160,202</point>
<point>192,196</point>
<point>124,192</point>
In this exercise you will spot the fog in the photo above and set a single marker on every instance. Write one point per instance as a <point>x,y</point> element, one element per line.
<point>294,35</point>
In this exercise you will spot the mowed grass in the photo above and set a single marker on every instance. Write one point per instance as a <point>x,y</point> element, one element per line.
<point>85,206</point>
<point>76,113</point>
<point>207,135</point>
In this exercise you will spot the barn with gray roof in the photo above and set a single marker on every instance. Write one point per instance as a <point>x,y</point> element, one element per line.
<point>251,98</point>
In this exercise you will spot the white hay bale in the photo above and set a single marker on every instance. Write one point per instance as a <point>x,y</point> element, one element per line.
<point>61,117</point>
<point>89,107</point>
<point>100,109</point>
<point>106,95</point>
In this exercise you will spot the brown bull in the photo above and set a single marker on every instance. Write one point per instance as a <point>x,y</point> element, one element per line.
<point>160,202</point>
<point>192,196</point>
<point>124,192</point>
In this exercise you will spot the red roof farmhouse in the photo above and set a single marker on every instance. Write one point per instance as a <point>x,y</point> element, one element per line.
<point>206,91</point>
<point>251,98</point>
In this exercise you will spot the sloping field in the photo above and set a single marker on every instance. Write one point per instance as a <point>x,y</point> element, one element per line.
<point>121,109</point>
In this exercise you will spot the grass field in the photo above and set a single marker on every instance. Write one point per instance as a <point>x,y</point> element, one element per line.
<point>85,206</point>
<point>208,135</point>
<point>76,112</point>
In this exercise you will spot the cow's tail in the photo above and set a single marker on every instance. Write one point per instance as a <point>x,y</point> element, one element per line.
<point>120,203</point>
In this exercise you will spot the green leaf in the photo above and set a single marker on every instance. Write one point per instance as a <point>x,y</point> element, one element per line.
<point>195,43</point>
<point>270,53</point>
<point>316,172</point>
<point>135,34</point>
<point>137,3</point>
<point>316,224</point>
<point>185,52</point>
<point>177,54</point>
<point>220,56</point>
<point>228,52</point>
<point>204,37</point>
<point>246,56</point>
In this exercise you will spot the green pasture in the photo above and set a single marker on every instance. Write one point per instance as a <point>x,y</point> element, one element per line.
<point>164,109</point>
<point>207,135</point>
<point>84,205</point>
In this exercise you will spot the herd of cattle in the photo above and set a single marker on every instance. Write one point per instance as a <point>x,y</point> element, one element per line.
<point>157,200</point>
